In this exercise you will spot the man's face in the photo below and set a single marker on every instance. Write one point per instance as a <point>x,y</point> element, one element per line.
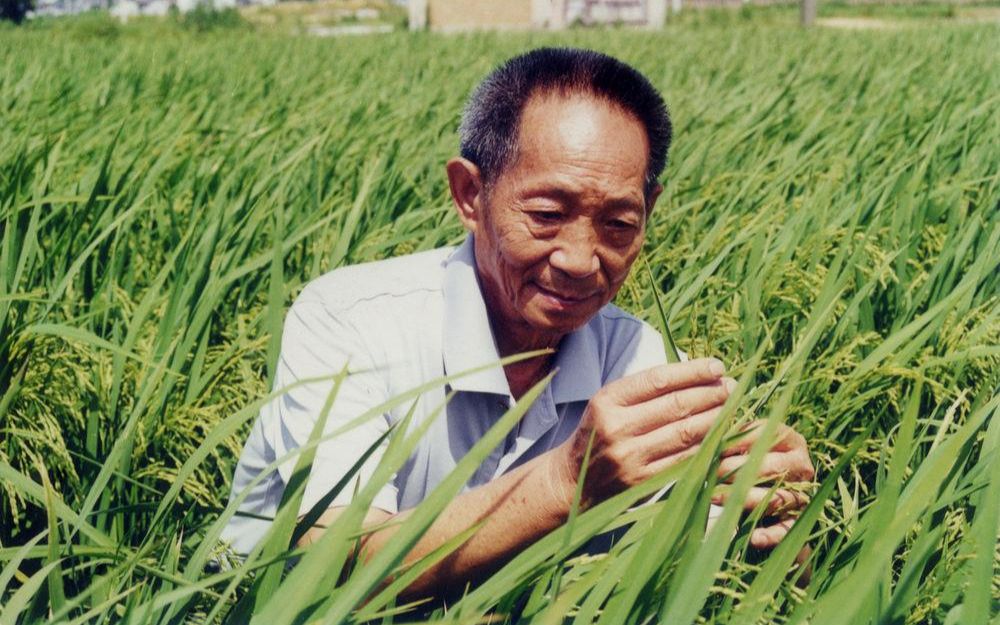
<point>562,225</point>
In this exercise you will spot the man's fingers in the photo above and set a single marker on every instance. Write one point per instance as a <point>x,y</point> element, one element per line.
<point>678,405</point>
<point>792,466</point>
<point>785,439</point>
<point>666,462</point>
<point>656,381</point>
<point>677,436</point>
<point>781,503</point>
<point>788,457</point>
<point>768,536</point>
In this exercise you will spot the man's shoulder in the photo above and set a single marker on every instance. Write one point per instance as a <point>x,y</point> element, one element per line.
<point>630,342</point>
<point>615,318</point>
<point>621,332</point>
<point>621,328</point>
<point>382,280</point>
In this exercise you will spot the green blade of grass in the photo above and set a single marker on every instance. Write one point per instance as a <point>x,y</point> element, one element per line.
<point>673,355</point>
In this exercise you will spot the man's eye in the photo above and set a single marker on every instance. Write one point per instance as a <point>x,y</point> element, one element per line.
<point>546,217</point>
<point>621,224</point>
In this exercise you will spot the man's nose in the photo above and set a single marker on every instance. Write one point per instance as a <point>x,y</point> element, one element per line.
<point>576,254</point>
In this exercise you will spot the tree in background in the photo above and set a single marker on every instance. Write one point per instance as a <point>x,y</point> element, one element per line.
<point>15,10</point>
<point>807,12</point>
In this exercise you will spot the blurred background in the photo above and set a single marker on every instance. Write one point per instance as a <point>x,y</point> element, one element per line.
<point>346,17</point>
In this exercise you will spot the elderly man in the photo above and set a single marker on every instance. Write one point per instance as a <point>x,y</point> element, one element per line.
<point>561,151</point>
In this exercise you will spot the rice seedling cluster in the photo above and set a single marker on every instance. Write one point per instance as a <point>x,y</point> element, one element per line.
<point>830,228</point>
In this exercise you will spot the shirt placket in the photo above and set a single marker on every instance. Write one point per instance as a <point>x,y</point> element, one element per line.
<point>497,406</point>
<point>535,424</point>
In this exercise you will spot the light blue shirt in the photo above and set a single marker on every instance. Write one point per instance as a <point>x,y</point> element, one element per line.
<point>400,323</point>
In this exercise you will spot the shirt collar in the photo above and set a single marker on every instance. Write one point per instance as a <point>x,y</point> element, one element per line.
<point>468,340</point>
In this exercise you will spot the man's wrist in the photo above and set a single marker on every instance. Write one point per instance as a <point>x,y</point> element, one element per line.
<point>561,483</point>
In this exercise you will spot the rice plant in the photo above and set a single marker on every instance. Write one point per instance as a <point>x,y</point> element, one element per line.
<point>830,228</point>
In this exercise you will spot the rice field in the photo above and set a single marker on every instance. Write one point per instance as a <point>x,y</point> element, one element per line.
<point>830,228</point>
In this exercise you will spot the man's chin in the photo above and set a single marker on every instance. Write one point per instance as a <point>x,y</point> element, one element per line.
<point>561,322</point>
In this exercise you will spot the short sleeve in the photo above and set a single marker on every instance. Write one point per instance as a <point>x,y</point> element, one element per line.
<point>316,343</point>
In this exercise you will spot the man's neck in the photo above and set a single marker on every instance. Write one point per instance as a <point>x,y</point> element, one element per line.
<point>524,374</point>
<point>521,376</point>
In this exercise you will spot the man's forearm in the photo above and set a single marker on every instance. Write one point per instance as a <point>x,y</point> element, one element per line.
<point>515,510</point>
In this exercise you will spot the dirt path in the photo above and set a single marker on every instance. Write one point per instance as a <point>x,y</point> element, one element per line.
<point>859,23</point>
<point>974,15</point>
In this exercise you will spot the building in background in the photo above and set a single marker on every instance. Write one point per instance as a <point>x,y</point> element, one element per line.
<point>457,15</point>
<point>65,7</point>
<point>125,9</point>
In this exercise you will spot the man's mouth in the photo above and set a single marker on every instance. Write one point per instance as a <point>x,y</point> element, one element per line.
<point>563,298</point>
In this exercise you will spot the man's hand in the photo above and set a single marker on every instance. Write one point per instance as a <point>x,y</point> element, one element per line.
<point>642,424</point>
<point>646,422</point>
<point>787,461</point>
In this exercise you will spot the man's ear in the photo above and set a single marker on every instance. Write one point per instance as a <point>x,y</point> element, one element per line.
<point>467,191</point>
<point>654,194</point>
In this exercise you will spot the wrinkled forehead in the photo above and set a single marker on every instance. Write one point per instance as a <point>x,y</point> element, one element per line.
<point>579,119</point>
<point>580,127</point>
